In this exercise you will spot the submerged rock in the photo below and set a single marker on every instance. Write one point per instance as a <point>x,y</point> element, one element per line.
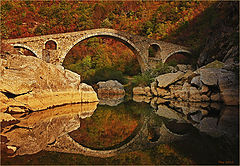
<point>226,81</point>
<point>37,85</point>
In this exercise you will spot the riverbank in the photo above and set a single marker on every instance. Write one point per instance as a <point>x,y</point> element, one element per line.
<point>210,83</point>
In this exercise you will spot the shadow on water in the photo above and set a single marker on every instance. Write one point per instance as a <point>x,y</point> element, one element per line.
<point>127,133</point>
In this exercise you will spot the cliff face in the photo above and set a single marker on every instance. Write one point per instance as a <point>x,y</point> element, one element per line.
<point>28,83</point>
<point>222,43</point>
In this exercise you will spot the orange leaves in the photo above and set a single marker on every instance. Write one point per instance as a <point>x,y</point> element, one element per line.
<point>130,16</point>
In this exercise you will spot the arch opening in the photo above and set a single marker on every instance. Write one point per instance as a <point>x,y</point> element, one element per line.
<point>102,56</point>
<point>25,51</point>
<point>50,45</point>
<point>154,51</point>
<point>179,58</point>
<point>115,36</point>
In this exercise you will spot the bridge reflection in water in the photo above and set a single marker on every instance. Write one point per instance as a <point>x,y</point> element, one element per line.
<point>59,130</point>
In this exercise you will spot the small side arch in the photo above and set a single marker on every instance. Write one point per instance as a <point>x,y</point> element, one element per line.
<point>180,56</point>
<point>154,51</point>
<point>50,44</point>
<point>25,47</point>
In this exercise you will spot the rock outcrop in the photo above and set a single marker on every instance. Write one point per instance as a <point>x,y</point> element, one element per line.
<point>110,87</point>
<point>29,83</point>
<point>211,83</point>
<point>222,43</point>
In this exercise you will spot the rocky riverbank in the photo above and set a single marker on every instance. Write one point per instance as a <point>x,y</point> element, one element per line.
<point>210,83</point>
<point>30,84</point>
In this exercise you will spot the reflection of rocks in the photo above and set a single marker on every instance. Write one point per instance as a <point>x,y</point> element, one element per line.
<point>213,119</point>
<point>36,130</point>
<point>110,92</point>
<point>141,98</point>
<point>110,99</point>
<point>226,124</point>
<point>110,87</point>
<point>165,111</point>
<point>32,84</point>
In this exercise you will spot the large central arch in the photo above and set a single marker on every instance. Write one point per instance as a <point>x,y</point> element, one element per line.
<point>115,36</point>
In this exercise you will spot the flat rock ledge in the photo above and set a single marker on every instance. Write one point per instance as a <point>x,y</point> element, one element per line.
<point>28,83</point>
<point>207,84</point>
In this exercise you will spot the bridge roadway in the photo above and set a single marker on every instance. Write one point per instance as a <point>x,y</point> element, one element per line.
<point>65,41</point>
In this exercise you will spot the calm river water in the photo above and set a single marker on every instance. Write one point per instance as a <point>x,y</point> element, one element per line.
<point>124,132</point>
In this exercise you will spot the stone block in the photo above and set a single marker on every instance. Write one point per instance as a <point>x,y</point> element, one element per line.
<point>169,78</point>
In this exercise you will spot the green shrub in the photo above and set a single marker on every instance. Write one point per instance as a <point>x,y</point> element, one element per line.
<point>161,68</point>
<point>143,79</point>
<point>172,63</point>
<point>147,77</point>
<point>106,73</point>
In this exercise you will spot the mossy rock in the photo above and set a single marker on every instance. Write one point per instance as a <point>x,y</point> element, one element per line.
<point>215,64</point>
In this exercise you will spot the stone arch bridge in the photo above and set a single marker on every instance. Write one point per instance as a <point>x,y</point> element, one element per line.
<point>162,51</point>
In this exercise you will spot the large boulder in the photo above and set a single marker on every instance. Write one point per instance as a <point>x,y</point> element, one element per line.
<point>226,82</point>
<point>110,87</point>
<point>37,85</point>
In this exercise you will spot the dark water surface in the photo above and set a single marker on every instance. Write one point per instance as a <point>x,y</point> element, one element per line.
<point>127,133</point>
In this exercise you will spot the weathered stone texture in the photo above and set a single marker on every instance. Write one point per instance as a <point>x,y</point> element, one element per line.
<point>110,87</point>
<point>33,84</point>
<point>169,78</point>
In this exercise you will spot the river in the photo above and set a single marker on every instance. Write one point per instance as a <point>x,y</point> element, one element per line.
<point>124,132</point>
